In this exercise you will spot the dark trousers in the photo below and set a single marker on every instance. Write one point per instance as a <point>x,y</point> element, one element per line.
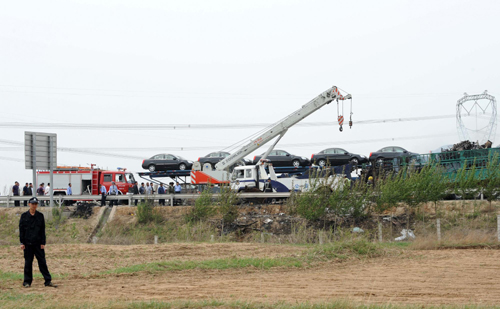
<point>113,202</point>
<point>30,251</point>
<point>25,203</point>
<point>103,199</point>
<point>135,202</point>
<point>161,202</point>
<point>17,203</point>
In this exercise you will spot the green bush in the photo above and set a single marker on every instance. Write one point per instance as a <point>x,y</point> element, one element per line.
<point>227,204</point>
<point>145,213</point>
<point>203,207</point>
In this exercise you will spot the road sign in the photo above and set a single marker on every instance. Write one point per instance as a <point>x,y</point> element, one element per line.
<point>40,150</point>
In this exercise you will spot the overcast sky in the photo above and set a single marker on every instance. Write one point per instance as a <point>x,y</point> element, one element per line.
<point>236,63</point>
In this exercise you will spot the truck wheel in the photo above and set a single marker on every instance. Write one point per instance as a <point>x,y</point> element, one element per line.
<point>354,161</point>
<point>182,166</point>
<point>296,163</point>
<point>322,163</point>
<point>152,168</point>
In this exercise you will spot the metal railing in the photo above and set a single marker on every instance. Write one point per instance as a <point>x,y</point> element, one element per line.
<point>8,201</point>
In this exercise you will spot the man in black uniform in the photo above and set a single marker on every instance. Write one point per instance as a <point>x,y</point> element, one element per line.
<point>32,236</point>
<point>135,190</point>
<point>26,192</point>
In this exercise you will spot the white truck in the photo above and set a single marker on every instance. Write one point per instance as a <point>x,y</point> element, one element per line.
<point>254,176</point>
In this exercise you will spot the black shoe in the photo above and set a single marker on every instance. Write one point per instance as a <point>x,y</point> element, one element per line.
<point>51,285</point>
<point>26,284</point>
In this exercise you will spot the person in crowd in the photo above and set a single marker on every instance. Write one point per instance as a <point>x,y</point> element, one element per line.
<point>369,183</point>
<point>135,191</point>
<point>177,190</point>
<point>268,187</point>
<point>103,195</point>
<point>149,189</point>
<point>113,190</point>
<point>41,192</point>
<point>47,189</point>
<point>171,189</point>
<point>33,240</point>
<point>161,191</point>
<point>69,191</point>
<point>142,190</point>
<point>26,190</point>
<point>15,192</point>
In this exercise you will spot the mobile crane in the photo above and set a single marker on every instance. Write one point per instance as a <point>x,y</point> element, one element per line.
<point>254,175</point>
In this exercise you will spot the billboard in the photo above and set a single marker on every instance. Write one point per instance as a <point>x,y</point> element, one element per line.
<point>40,150</point>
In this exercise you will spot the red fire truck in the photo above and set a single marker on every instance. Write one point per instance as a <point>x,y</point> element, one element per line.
<point>86,180</point>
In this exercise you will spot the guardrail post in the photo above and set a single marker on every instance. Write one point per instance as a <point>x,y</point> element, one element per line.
<point>156,239</point>
<point>8,198</point>
<point>438,226</point>
<point>172,200</point>
<point>498,226</point>
<point>380,232</point>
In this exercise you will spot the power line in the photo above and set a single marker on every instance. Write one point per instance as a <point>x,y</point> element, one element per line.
<point>135,127</point>
<point>98,152</point>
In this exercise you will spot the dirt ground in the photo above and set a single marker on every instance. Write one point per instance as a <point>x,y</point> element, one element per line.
<point>432,277</point>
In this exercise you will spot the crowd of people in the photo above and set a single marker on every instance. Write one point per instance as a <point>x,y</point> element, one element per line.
<point>144,189</point>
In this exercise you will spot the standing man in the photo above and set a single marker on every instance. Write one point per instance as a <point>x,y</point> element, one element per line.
<point>113,190</point>
<point>161,191</point>
<point>268,187</point>
<point>32,237</point>
<point>15,192</point>
<point>26,191</point>
<point>40,192</point>
<point>142,190</point>
<point>69,191</point>
<point>135,190</point>
<point>47,189</point>
<point>103,195</point>
<point>177,190</point>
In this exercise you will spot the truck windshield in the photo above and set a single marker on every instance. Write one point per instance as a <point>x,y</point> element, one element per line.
<point>130,178</point>
<point>237,174</point>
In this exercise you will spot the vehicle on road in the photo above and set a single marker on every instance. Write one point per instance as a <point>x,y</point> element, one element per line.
<point>86,180</point>
<point>254,177</point>
<point>214,158</point>
<point>165,161</point>
<point>389,153</point>
<point>283,158</point>
<point>337,156</point>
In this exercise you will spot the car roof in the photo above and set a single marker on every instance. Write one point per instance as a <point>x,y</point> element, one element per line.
<point>392,146</point>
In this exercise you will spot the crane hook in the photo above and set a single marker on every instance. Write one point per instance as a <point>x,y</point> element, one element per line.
<point>341,129</point>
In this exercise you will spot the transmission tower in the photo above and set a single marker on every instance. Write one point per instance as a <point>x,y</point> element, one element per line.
<point>481,113</point>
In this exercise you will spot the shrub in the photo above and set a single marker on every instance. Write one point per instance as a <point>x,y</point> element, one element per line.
<point>145,213</point>
<point>203,207</point>
<point>227,204</point>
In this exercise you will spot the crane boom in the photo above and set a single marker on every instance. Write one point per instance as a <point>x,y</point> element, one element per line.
<point>281,127</point>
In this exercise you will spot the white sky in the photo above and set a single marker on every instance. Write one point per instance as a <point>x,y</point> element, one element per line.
<point>236,62</point>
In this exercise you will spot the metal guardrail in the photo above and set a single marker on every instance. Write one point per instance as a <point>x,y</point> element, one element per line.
<point>8,201</point>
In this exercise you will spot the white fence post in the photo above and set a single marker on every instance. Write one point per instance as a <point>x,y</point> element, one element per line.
<point>438,226</point>
<point>380,232</point>
<point>156,239</point>
<point>498,227</point>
